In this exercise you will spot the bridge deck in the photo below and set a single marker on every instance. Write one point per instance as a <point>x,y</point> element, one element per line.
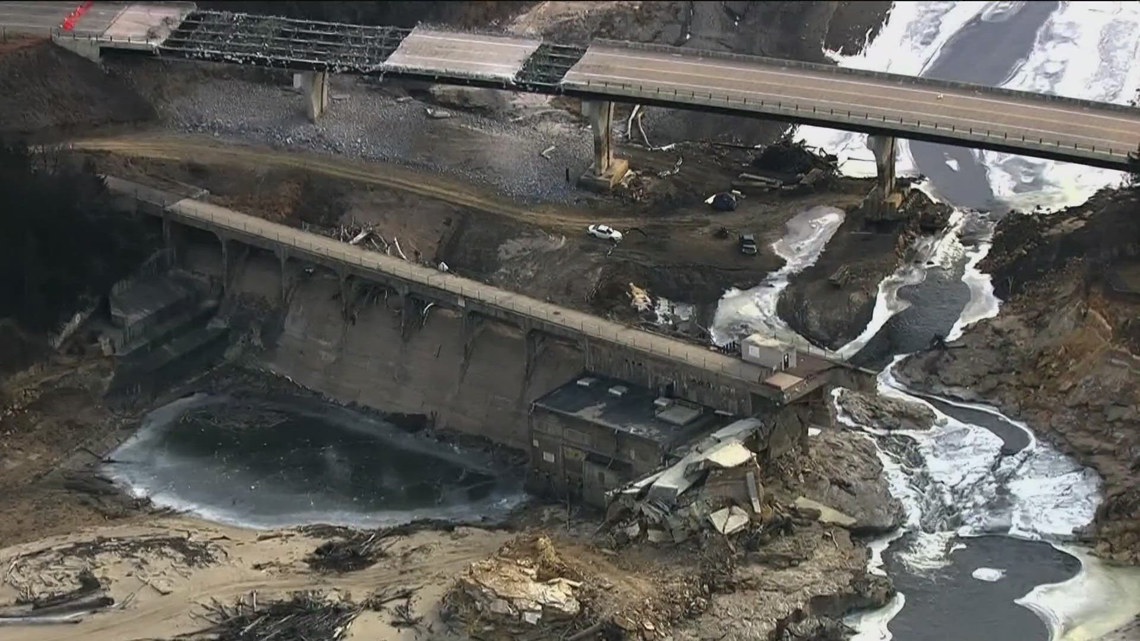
<point>461,54</point>
<point>37,18</point>
<point>1096,134</point>
<point>762,86</point>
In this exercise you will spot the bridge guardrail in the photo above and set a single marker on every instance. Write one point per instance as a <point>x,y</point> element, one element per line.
<point>843,115</point>
<point>836,70</point>
<point>597,328</point>
<point>58,33</point>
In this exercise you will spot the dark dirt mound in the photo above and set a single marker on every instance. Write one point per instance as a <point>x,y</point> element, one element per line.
<point>46,91</point>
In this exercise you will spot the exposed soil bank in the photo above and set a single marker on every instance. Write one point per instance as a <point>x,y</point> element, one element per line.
<point>1062,356</point>
<point>47,92</point>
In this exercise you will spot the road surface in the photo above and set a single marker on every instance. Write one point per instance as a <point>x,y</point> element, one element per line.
<point>966,114</point>
<point>34,18</point>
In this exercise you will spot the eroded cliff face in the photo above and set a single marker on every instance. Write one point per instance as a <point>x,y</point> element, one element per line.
<point>1064,354</point>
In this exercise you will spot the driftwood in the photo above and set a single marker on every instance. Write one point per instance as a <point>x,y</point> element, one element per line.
<point>350,552</point>
<point>305,615</point>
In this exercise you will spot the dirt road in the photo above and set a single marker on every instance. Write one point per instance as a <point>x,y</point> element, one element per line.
<point>207,151</point>
<point>267,563</point>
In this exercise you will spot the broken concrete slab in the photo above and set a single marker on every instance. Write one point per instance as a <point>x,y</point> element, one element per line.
<point>729,520</point>
<point>827,515</point>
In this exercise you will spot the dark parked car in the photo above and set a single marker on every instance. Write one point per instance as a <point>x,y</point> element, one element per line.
<point>748,245</point>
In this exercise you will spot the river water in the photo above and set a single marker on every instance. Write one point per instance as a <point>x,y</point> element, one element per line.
<point>985,552</point>
<point>267,463</point>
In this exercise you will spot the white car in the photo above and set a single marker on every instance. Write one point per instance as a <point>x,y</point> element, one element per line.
<point>605,232</point>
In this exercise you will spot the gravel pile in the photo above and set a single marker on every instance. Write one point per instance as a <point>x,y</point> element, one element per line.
<point>501,152</point>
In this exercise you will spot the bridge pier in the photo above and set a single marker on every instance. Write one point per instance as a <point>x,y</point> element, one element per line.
<point>314,85</point>
<point>885,149</point>
<point>883,203</point>
<point>171,232</point>
<point>606,171</point>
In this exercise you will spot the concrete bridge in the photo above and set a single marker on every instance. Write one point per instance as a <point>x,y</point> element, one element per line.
<point>605,72</point>
<point>688,371</point>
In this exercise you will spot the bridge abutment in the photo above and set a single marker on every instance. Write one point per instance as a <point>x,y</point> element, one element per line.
<point>606,171</point>
<point>314,85</point>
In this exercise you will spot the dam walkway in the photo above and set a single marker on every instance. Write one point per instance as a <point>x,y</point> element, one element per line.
<point>722,369</point>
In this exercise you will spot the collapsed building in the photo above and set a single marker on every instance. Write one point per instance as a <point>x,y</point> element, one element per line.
<point>595,439</point>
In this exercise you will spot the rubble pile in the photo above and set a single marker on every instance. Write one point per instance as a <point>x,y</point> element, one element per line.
<point>786,164</point>
<point>530,590</point>
<point>715,486</point>
<point>524,586</point>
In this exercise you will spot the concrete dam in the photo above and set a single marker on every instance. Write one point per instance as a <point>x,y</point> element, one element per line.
<point>372,329</point>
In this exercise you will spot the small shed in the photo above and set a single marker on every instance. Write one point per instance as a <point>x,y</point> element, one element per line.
<point>768,352</point>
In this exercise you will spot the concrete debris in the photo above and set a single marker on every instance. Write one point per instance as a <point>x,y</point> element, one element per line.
<point>716,484</point>
<point>729,520</point>
<point>502,588</point>
<point>825,514</point>
<point>523,586</point>
<point>642,301</point>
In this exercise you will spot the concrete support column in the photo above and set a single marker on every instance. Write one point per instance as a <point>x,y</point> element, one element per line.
<point>314,85</point>
<point>409,313</point>
<point>471,324</point>
<point>283,261</point>
<point>534,344</point>
<point>606,171</point>
<point>227,264</point>
<point>170,237</point>
<point>885,149</point>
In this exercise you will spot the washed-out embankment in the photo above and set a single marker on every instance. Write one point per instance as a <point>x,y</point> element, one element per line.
<point>361,355</point>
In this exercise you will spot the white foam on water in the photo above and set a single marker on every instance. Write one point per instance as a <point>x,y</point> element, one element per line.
<point>1085,50</point>
<point>942,251</point>
<point>740,312</point>
<point>1099,600</point>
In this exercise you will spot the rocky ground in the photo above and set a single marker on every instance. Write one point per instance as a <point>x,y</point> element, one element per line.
<point>1063,354</point>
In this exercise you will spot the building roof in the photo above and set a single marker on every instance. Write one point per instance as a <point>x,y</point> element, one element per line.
<point>589,398</point>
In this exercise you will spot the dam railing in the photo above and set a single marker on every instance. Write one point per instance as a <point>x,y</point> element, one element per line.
<point>272,236</point>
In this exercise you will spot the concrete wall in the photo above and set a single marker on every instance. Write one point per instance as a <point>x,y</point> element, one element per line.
<point>478,387</point>
<point>692,385</point>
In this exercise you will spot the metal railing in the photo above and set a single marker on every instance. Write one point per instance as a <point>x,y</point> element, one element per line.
<point>217,219</point>
<point>835,70</point>
<point>58,33</point>
<point>866,118</point>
